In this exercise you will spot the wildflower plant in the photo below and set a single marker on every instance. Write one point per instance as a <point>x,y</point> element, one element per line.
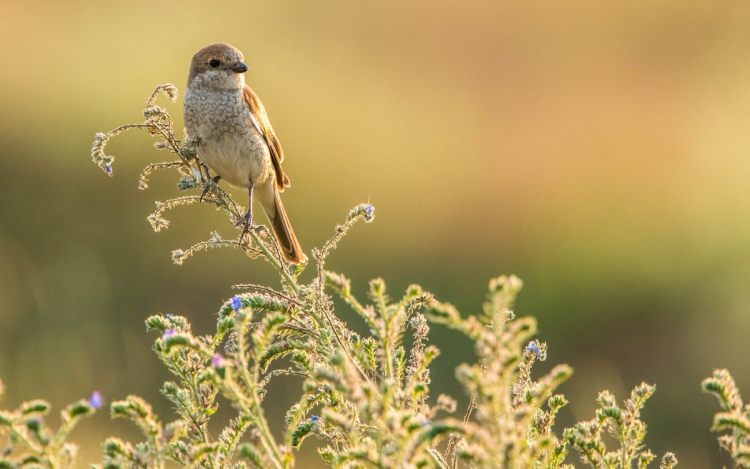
<point>735,417</point>
<point>365,398</point>
<point>32,443</point>
<point>623,424</point>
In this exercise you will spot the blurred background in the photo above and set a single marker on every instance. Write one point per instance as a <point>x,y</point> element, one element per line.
<point>597,150</point>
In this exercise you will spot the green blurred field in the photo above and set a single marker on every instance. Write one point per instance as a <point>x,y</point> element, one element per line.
<point>598,151</point>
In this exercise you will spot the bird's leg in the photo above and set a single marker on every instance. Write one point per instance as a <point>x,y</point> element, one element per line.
<point>247,219</point>
<point>201,168</point>
<point>210,184</point>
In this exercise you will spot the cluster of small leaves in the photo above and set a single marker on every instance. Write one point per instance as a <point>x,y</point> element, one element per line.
<point>374,389</point>
<point>735,417</point>
<point>365,397</point>
<point>31,443</point>
<point>623,424</point>
<point>510,425</point>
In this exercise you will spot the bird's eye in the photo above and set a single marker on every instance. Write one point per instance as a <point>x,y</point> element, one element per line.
<point>214,63</point>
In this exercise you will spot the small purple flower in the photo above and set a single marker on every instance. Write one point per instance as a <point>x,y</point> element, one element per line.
<point>314,419</point>
<point>534,347</point>
<point>108,169</point>
<point>236,303</point>
<point>217,361</point>
<point>369,212</point>
<point>95,400</point>
<point>167,334</point>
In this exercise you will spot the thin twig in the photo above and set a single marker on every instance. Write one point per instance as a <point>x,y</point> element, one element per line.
<point>270,290</point>
<point>454,439</point>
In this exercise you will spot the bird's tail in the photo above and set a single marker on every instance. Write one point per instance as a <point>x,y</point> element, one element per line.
<point>270,200</point>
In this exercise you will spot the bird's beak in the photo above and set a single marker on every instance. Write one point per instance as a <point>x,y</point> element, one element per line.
<point>239,67</point>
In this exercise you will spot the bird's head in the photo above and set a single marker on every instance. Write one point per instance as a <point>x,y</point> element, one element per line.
<point>218,66</point>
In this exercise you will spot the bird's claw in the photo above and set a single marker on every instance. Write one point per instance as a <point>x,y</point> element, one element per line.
<point>247,226</point>
<point>246,219</point>
<point>211,184</point>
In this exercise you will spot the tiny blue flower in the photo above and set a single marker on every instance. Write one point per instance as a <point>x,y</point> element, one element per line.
<point>217,361</point>
<point>369,212</point>
<point>533,347</point>
<point>95,400</point>
<point>314,419</point>
<point>169,317</point>
<point>236,303</point>
<point>108,169</point>
<point>168,333</point>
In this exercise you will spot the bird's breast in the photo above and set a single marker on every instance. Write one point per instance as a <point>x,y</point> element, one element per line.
<point>232,147</point>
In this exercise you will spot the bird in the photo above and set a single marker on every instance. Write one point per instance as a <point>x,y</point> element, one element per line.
<point>237,140</point>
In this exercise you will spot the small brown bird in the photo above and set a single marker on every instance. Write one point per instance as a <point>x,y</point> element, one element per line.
<point>239,143</point>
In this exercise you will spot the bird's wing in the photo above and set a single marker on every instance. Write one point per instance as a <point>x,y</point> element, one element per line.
<point>261,122</point>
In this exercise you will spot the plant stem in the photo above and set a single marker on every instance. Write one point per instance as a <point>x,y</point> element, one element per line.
<point>386,337</point>
<point>257,412</point>
<point>276,264</point>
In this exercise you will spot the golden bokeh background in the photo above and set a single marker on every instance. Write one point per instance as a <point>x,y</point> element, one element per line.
<point>598,150</point>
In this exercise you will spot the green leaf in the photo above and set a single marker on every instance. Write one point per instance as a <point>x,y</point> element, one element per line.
<point>731,421</point>
<point>278,350</point>
<point>300,432</point>
<point>6,418</point>
<point>78,409</point>
<point>252,455</point>
<point>36,406</point>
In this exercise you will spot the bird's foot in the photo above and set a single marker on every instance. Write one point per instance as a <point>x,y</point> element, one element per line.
<point>246,222</point>
<point>210,186</point>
